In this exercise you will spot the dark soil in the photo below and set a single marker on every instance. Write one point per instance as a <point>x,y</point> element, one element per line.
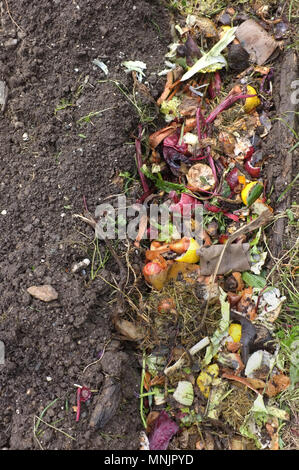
<point>48,172</point>
<point>43,182</point>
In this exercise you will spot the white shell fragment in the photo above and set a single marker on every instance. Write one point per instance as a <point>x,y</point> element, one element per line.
<point>80,266</point>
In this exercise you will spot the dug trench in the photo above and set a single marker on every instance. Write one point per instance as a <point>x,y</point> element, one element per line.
<point>53,165</point>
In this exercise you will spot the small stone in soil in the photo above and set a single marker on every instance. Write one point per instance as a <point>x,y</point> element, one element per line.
<point>46,293</point>
<point>11,42</point>
<point>3,94</point>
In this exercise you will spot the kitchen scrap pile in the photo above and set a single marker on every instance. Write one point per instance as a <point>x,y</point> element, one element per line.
<point>210,358</point>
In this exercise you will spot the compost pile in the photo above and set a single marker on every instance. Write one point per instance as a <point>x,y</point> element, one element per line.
<point>210,369</point>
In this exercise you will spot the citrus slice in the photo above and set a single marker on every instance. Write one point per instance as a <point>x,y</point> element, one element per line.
<point>191,255</point>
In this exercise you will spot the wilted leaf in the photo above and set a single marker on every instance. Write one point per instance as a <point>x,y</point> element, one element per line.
<point>212,60</point>
<point>164,429</point>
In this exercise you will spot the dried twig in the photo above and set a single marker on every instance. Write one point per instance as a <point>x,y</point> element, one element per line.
<point>10,16</point>
<point>54,427</point>
<point>100,358</point>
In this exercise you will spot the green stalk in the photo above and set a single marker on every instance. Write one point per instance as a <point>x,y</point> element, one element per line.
<point>141,390</point>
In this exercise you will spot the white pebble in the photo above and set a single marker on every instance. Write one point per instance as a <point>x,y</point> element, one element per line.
<point>81,265</point>
<point>4,212</point>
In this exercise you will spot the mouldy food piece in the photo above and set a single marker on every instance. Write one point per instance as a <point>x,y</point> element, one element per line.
<point>205,379</point>
<point>171,108</point>
<point>200,177</point>
<point>190,139</point>
<point>45,293</point>
<point>184,393</point>
<point>256,41</point>
<point>235,258</point>
<point>206,26</point>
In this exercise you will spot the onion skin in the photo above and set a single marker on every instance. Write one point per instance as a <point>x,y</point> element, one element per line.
<point>180,246</point>
<point>233,298</point>
<point>253,171</point>
<point>166,305</point>
<point>155,274</point>
<point>232,179</point>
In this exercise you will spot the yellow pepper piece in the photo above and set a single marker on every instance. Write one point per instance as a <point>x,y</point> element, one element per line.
<point>191,255</point>
<point>251,103</point>
<point>235,332</point>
